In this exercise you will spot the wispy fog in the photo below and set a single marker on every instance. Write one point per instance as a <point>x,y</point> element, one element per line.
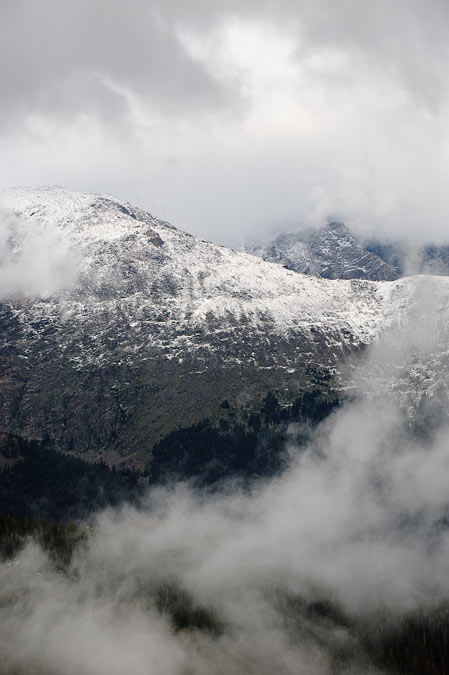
<point>33,263</point>
<point>359,521</point>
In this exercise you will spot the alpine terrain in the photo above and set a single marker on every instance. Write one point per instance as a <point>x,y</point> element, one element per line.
<point>291,431</point>
<point>334,252</point>
<point>123,328</point>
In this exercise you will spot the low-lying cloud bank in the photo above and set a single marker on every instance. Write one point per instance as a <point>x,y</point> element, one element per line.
<point>225,583</point>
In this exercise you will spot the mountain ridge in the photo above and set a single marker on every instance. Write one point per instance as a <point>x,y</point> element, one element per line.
<point>158,327</point>
<point>332,251</point>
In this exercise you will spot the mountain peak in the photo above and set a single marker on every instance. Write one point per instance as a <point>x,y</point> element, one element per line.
<point>127,344</point>
<point>336,225</point>
<point>331,251</point>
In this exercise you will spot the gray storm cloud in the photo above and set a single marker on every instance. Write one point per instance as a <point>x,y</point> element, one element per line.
<point>229,117</point>
<point>359,519</point>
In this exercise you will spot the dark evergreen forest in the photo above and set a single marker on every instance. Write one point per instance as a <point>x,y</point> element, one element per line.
<point>39,481</point>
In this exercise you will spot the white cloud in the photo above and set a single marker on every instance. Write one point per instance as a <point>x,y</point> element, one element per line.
<point>33,263</point>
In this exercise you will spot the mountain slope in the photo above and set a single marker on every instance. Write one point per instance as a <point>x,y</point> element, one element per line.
<point>331,252</point>
<point>141,328</point>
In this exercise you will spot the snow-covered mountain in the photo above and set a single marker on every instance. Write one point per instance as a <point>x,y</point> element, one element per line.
<point>116,327</point>
<point>333,252</point>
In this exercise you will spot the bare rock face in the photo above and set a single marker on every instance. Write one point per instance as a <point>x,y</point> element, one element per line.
<point>116,328</point>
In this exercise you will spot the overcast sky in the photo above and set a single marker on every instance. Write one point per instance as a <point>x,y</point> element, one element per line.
<point>229,118</point>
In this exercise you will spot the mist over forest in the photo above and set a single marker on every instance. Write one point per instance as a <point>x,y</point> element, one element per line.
<point>339,564</point>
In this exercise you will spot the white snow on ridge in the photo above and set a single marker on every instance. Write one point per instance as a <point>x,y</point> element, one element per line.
<point>163,285</point>
<point>66,211</point>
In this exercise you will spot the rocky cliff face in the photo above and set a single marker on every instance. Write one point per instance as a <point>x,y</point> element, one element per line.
<point>139,328</point>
